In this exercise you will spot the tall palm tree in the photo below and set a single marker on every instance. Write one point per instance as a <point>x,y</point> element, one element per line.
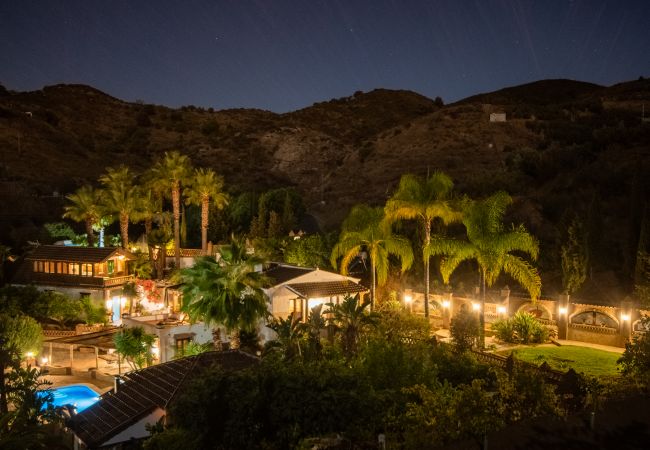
<point>206,186</point>
<point>492,246</point>
<point>120,197</point>
<point>149,207</point>
<point>365,229</point>
<point>227,292</point>
<point>174,169</point>
<point>424,200</point>
<point>84,206</point>
<point>351,319</point>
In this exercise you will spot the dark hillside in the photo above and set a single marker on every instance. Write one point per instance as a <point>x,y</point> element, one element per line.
<point>567,149</point>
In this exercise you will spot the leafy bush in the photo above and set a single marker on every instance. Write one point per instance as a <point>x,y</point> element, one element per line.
<point>522,328</point>
<point>464,330</point>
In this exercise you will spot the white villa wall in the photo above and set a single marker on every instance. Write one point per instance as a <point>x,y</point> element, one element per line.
<point>167,333</point>
<point>138,430</point>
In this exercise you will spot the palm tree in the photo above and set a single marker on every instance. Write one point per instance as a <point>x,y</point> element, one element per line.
<point>227,292</point>
<point>492,247</point>
<point>351,319</point>
<point>174,169</point>
<point>290,332</point>
<point>365,229</point>
<point>84,207</point>
<point>423,199</point>
<point>149,207</point>
<point>120,197</point>
<point>206,186</point>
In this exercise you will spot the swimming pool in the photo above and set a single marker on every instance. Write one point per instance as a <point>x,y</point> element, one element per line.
<point>78,395</point>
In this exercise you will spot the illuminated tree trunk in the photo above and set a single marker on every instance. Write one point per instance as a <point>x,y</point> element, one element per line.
<point>427,240</point>
<point>124,229</point>
<point>205,211</point>
<point>89,232</point>
<point>176,205</point>
<point>148,225</point>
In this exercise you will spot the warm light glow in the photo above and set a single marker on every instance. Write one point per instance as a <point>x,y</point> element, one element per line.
<point>476,306</point>
<point>29,354</point>
<point>122,301</point>
<point>120,257</point>
<point>563,310</point>
<point>155,351</point>
<point>44,360</point>
<point>501,309</point>
<point>408,298</point>
<point>446,304</point>
<point>313,302</point>
<point>109,304</point>
<point>625,317</point>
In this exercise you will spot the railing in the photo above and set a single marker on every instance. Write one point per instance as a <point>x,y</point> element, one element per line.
<point>552,375</point>
<point>58,333</point>
<point>79,280</point>
<point>593,328</point>
<point>117,281</point>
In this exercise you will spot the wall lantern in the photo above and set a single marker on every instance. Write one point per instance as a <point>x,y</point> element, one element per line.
<point>446,304</point>
<point>625,317</point>
<point>408,298</point>
<point>501,309</point>
<point>476,306</point>
<point>563,311</point>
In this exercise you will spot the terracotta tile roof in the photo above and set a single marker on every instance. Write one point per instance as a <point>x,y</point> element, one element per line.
<point>326,288</point>
<point>76,254</point>
<point>281,273</point>
<point>142,391</point>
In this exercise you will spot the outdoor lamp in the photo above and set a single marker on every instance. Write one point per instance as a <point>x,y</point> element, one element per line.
<point>563,310</point>
<point>501,309</point>
<point>445,304</point>
<point>476,306</point>
<point>625,317</point>
<point>29,354</point>
<point>408,298</point>
<point>44,360</point>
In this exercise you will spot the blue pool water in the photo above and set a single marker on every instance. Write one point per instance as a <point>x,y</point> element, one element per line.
<point>76,394</point>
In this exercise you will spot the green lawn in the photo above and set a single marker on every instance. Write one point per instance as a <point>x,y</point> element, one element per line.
<point>582,359</point>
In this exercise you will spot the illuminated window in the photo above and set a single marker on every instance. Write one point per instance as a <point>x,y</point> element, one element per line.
<point>61,267</point>
<point>73,269</point>
<point>87,270</point>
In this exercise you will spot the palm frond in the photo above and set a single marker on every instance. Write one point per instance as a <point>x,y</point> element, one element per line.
<point>525,274</point>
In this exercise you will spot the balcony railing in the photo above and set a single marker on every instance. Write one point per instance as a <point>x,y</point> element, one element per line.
<point>61,279</point>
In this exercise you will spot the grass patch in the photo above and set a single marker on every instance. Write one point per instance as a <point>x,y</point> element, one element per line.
<point>588,360</point>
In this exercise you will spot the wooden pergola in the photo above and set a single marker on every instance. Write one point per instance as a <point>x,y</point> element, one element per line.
<point>100,340</point>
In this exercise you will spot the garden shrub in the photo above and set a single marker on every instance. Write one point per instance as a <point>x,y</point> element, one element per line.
<point>522,328</point>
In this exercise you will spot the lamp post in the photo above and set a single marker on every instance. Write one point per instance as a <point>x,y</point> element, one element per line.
<point>408,302</point>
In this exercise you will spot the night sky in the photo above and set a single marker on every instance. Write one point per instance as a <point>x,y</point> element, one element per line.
<point>283,55</point>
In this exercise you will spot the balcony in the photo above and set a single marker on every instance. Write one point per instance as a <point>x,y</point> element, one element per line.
<point>60,279</point>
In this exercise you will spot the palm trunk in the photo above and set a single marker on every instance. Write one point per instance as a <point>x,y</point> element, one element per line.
<point>3,393</point>
<point>147,232</point>
<point>124,229</point>
<point>176,205</point>
<point>373,285</point>
<point>481,314</point>
<point>427,240</point>
<point>205,210</point>
<point>89,233</point>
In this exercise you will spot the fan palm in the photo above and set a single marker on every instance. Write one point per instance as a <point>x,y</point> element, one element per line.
<point>227,292</point>
<point>365,229</point>
<point>491,245</point>
<point>423,199</point>
<point>120,197</point>
<point>174,169</point>
<point>351,319</point>
<point>206,186</point>
<point>84,206</point>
